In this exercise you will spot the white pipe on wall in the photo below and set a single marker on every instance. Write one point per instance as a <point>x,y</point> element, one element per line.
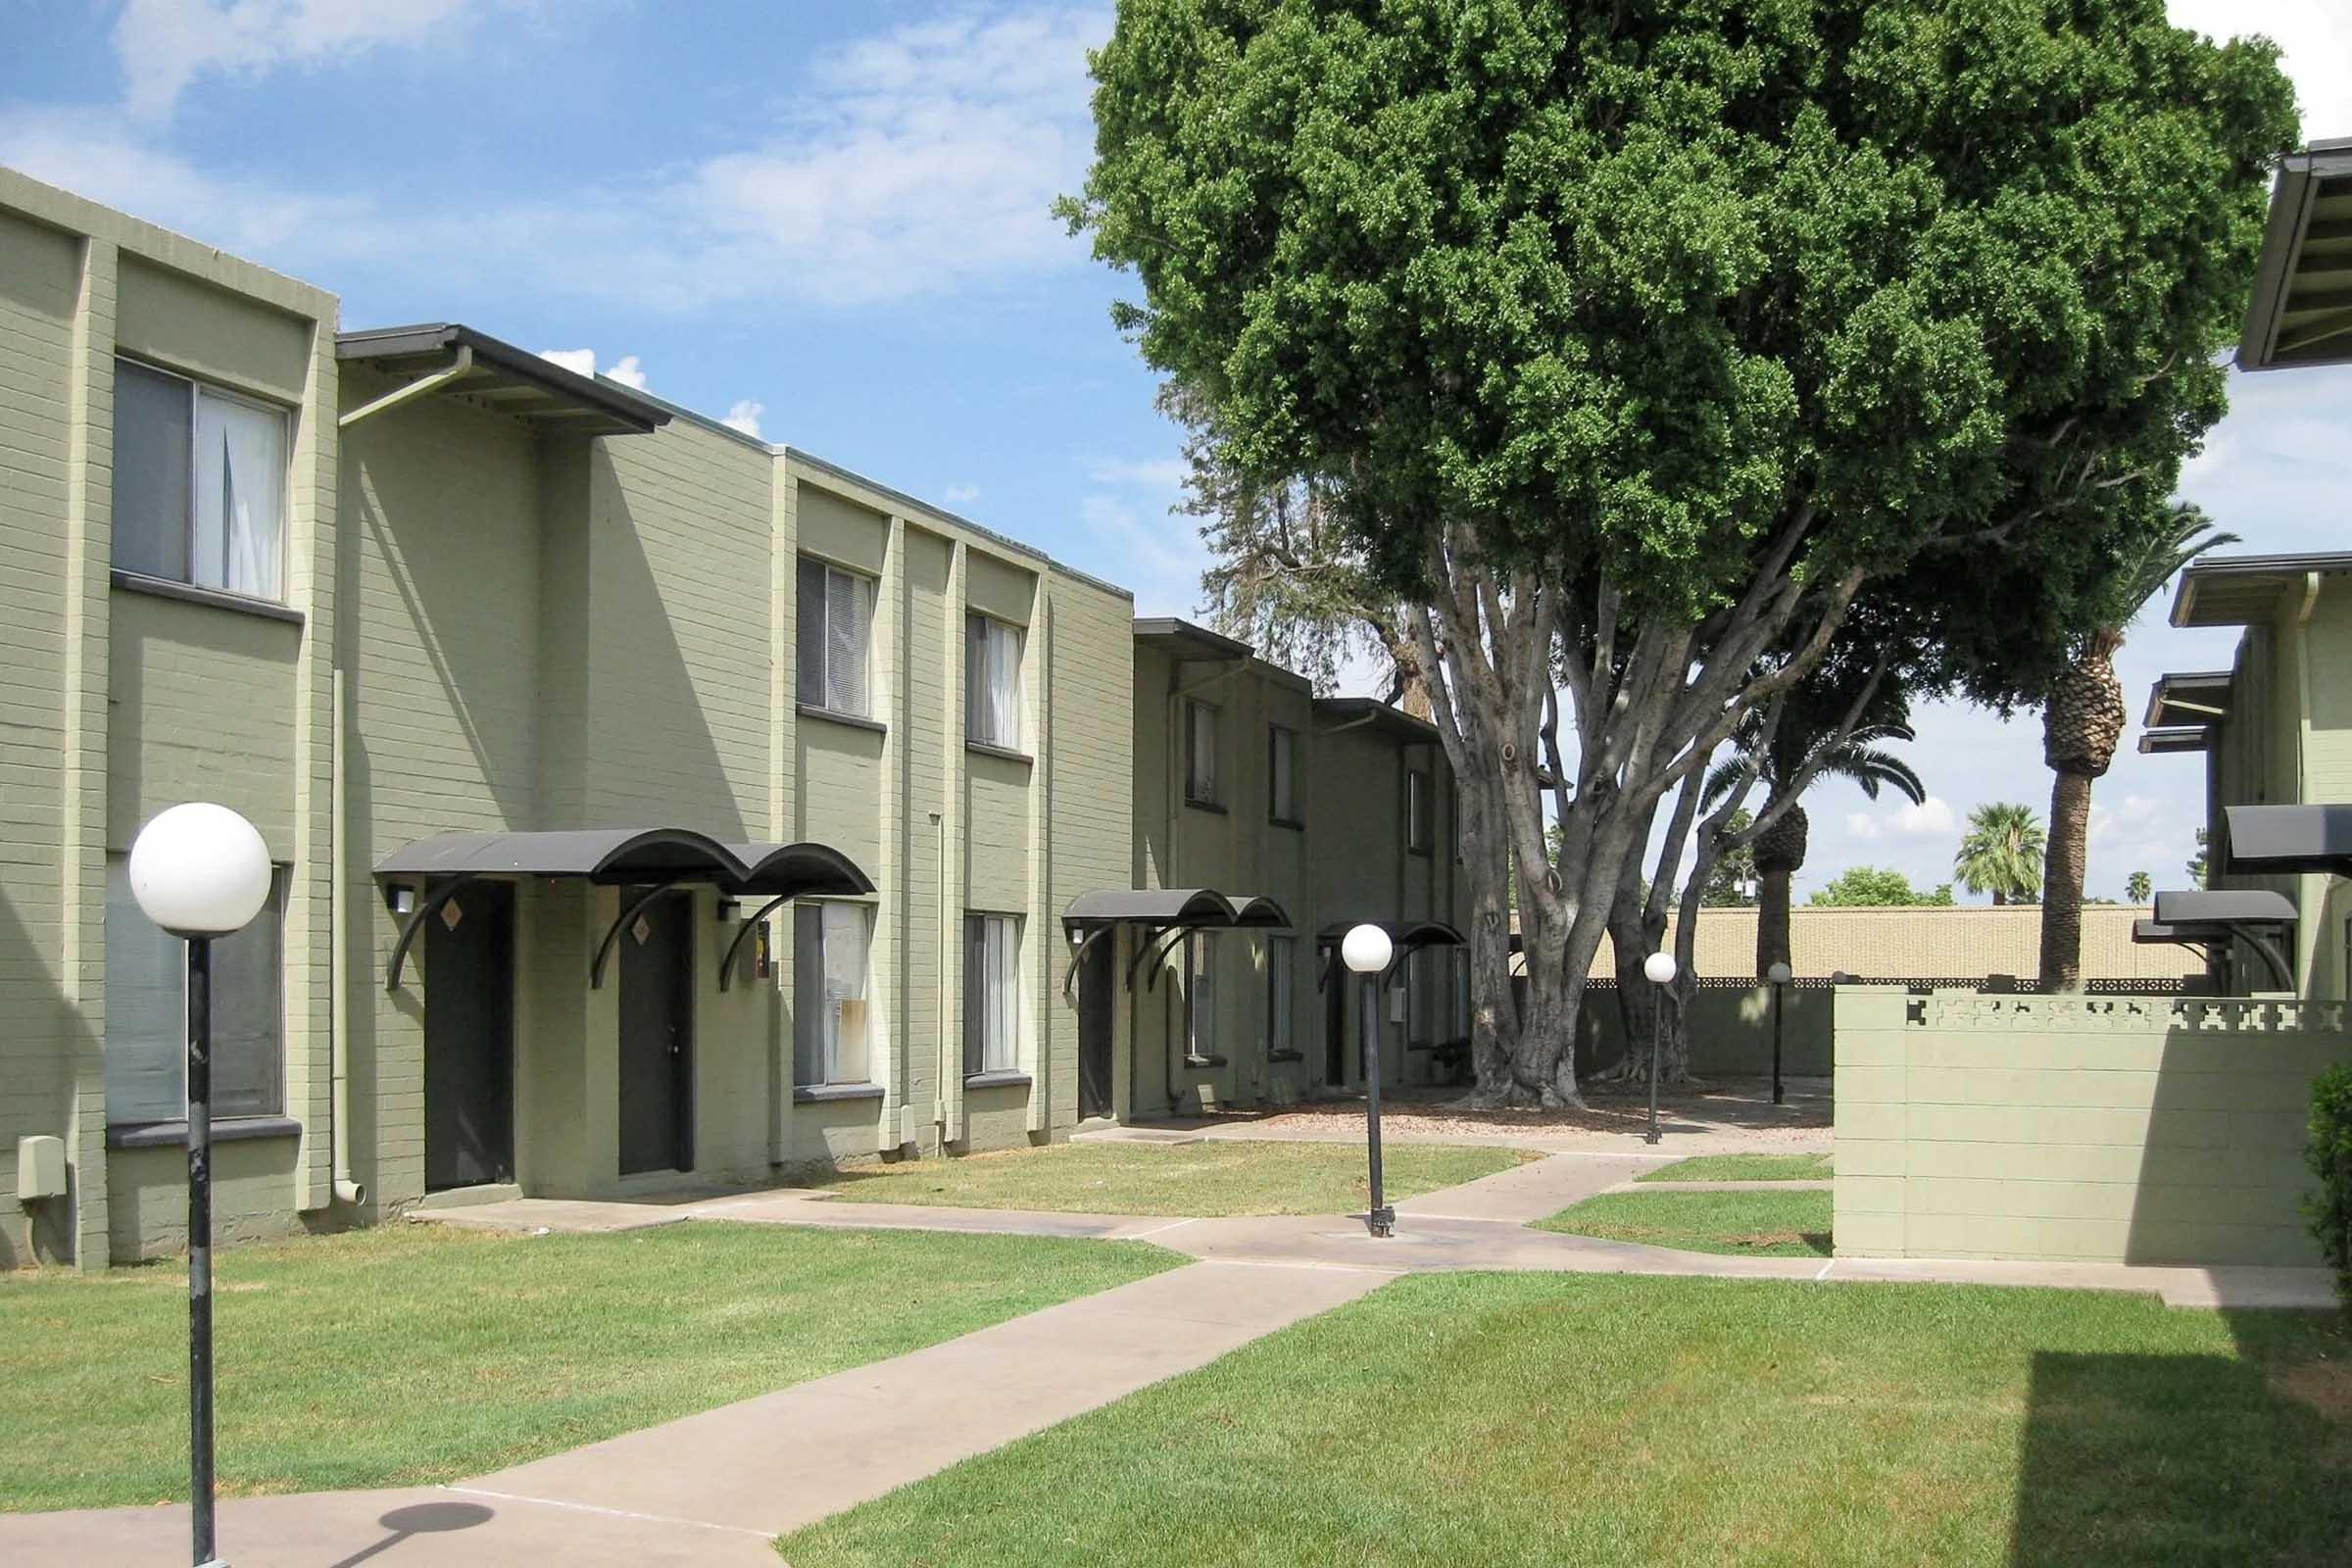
<point>338,962</point>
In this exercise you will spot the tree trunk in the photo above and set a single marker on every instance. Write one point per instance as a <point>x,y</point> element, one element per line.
<point>2062,868</point>
<point>1772,921</point>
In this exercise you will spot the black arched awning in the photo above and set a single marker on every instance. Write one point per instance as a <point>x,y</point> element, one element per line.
<point>1402,934</point>
<point>2201,917</point>
<point>1259,913</point>
<point>797,870</point>
<point>1160,907</point>
<point>2291,838</point>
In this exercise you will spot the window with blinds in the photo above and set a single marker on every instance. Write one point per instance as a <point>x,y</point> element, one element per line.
<point>1282,963</point>
<point>1199,754</point>
<point>991,713</point>
<point>200,484</point>
<point>1200,996</point>
<point>147,1012</point>
<point>836,618</point>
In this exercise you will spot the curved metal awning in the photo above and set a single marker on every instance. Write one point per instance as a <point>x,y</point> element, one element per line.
<point>602,855</point>
<point>1402,934</point>
<point>2291,838</point>
<point>797,870</point>
<point>1160,907</point>
<point>2256,915</point>
<point>1259,913</point>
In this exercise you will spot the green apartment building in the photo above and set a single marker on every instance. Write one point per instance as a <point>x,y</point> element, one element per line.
<point>651,805</point>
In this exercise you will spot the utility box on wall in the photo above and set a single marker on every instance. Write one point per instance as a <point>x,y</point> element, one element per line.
<point>40,1167</point>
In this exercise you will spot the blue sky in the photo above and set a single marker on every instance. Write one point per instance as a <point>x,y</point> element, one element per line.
<point>831,221</point>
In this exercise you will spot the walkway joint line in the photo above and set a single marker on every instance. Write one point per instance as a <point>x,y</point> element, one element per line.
<point>615,1513</point>
<point>1158,1230</point>
<point>1825,1269</point>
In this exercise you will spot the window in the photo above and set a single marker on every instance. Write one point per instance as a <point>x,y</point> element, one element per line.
<point>1199,754</point>
<point>1461,992</point>
<point>1200,995</point>
<point>200,484</point>
<point>835,616</point>
<point>992,993</point>
<point>991,683</point>
<point>832,1036</point>
<point>1416,811</point>
<point>147,1012</point>
<point>1420,994</point>
<point>1282,965</point>
<point>1282,774</point>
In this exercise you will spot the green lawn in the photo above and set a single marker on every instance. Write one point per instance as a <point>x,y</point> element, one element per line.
<point>1759,1224</point>
<point>408,1355</point>
<point>1206,1180</point>
<point>1743,1168</point>
<point>1608,1422</point>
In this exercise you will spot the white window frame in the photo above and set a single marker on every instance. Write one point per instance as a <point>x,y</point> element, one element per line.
<point>273,588</point>
<point>849,614</point>
<point>816,1011</point>
<point>993,715</point>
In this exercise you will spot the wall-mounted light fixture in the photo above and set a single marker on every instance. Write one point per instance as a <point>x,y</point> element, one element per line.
<point>727,909</point>
<point>400,898</point>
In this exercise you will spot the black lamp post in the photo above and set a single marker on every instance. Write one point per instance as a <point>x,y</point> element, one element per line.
<point>1366,950</point>
<point>1658,969</point>
<point>1780,975</point>
<point>199,871</point>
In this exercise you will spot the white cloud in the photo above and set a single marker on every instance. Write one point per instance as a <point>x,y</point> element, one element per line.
<point>165,45</point>
<point>1930,818</point>
<point>579,362</point>
<point>2315,37</point>
<point>744,415</point>
<point>1154,474</point>
<point>1861,825</point>
<point>629,373</point>
<point>961,494</point>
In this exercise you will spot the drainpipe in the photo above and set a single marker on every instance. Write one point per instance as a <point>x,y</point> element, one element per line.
<point>938,1090</point>
<point>338,963</point>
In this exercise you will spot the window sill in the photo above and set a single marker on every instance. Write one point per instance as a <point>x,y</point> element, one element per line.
<point>218,598</point>
<point>817,1093</point>
<point>834,715</point>
<point>1286,1055</point>
<point>1006,1078</point>
<point>1291,822</point>
<point>175,1134</point>
<point>1203,1062</point>
<point>1006,753</point>
<point>1192,805</point>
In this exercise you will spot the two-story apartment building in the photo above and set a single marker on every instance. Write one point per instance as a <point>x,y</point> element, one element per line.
<point>1266,822</point>
<point>651,805</point>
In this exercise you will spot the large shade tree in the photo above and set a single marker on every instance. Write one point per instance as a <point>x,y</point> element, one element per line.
<point>2083,720</point>
<point>1633,343</point>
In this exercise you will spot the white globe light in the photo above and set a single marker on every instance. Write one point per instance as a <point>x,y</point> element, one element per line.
<point>1367,949</point>
<point>200,871</point>
<point>1659,967</point>
<point>1780,974</point>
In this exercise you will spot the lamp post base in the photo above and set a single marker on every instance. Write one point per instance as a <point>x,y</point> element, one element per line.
<point>1381,1222</point>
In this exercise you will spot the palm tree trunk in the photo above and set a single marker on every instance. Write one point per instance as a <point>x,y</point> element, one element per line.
<point>1772,921</point>
<point>2061,881</point>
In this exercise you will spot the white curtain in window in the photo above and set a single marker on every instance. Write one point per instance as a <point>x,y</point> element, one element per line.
<point>1004,683</point>
<point>845,928</point>
<point>1201,997</point>
<point>1205,752</point>
<point>848,615</point>
<point>1002,1026</point>
<point>240,476</point>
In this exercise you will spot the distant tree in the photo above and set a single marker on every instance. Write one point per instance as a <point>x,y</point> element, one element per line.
<point>2137,888</point>
<point>2196,866</point>
<point>1734,874</point>
<point>2002,852</point>
<point>1860,886</point>
<point>2083,720</point>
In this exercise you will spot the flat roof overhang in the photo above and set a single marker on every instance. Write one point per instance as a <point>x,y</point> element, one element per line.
<point>2289,838</point>
<point>1191,640</point>
<point>2242,590</point>
<point>2165,742</point>
<point>499,376</point>
<point>1351,713</point>
<point>2188,699</point>
<point>2301,310</point>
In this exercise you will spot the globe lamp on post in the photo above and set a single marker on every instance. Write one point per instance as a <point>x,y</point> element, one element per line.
<point>1780,974</point>
<point>1367,951</point>
<point>1658,969</point>
<point>199,871</point>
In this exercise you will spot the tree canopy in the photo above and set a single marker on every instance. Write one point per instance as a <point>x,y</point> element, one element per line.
<point>1876,885</point>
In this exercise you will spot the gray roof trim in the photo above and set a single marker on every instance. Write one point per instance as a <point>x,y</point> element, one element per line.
<point>2165,742</point>
<point>2149,933</point>
<point>2225,907</point>
<point>838,471</point>
<point>622,409</point>
<point>1345,709</point>
<point>616,855</point>
<point>2222,568</point>
<point>2195,690</point>
<point>1173,629</point>
<point>1402,934</point>
<point>2289,838</point>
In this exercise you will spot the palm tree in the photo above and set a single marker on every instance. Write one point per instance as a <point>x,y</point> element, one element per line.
<point>2002,852</point>
<point>2137,888</point>
<point>1806,747</point>
<point>2083,720</point>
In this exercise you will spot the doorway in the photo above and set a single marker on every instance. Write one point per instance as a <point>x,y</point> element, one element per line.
<point>1335,1023</point>
<point>657,1035</point>
<point>1097,976</point>
<point>469,1039</point>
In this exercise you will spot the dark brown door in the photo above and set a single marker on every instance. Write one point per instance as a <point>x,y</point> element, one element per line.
<point>1096,978</point>
<point>657,1035</point>
<point>469,1039</point>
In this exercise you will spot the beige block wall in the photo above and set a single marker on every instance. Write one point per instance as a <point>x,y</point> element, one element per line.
<point>1925,942</point>
<point>2133,1130</point>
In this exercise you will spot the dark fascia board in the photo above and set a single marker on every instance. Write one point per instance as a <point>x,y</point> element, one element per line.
<point>1342,709</point>
<point>2297,187</point>
<point>1168,628</point>
<point>2223,906</point>
<point>2207,569</point>
<point>2207,687</point>
<point>2167,742</point>
<point>2291,838</point>
<point>435,338</point>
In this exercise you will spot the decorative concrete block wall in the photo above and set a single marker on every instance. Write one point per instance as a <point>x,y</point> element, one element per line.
<point>2093,1129</point>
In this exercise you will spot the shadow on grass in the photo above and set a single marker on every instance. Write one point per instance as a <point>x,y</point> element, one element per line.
<point>2132,1461</point>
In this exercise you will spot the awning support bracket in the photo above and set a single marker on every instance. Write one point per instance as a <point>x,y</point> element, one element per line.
<point>628,912</point>
<point>1159,960</point>
<point>427,907</point>
<point>726,965</point>
<point>1070,976</point>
